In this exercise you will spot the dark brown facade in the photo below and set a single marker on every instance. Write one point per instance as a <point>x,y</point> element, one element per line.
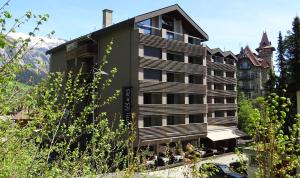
<point>162,57</point>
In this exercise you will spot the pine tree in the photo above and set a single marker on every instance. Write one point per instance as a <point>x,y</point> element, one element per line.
<point>271,83</point>
<point>293,50</point>
<point>282,65</point>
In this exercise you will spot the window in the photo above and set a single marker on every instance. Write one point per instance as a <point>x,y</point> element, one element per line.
<point>195,60</point>
<point>196,118</point>
<point>168,23</point>
<point>175,77</point>
<point>218,59</point>
<point>175,120</point>
<point>150,121</point>
<point>175,98</point>
<point>152,74</point>
<point>152,52</point>
<point>152,98</point>
<point>196,41</point>
<point>219,86</point>
<point>230,87</point>
<point>245,65</point>
<point>229,61</point>
<point>195,99</point>
<point>146,26</point>
<point>230,74</point>
<point>175,56</point>
<point>196,79</point>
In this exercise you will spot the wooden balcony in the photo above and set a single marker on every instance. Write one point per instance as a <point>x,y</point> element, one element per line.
<point>229,120</point>
<point>85,50</point>
<point>174,87</point>
<point>171,109</point>
<point>220,66</point>
<point>219,79</point>
<point>173,45</point>
<point>222,93</point>
<point>221,107</point>
<point>170,132</point>
<point>173,66</point>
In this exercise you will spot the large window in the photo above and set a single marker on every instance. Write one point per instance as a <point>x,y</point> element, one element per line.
<point>152,52</point>
<point>152,74</point>
<point>146,26</point>
<point>175,56</point>
<point>196,118</point>
<point>219,100</point>
<point>231,113</point>
<point>152,98</point>
<point>218,73</point>
<point>150,121</point>
<point>219,113</point>
<point>175,120</point>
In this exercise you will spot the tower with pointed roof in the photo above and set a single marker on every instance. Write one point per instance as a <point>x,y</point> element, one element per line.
<point>265,49</point>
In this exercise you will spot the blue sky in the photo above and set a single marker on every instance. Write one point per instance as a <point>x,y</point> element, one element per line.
<point>230,24</point>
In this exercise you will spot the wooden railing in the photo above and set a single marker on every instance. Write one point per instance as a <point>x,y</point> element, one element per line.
<point>166,132</point>
<point>171,109</point>
<point>173,45</point>
<point>220,66</point>
<point>222,120</point>
<point>82,51</point>
<point>219,79</point>
<point>175,87</point>
<point>221,93</point>
<point>173,66</point>
<point>221,107</point>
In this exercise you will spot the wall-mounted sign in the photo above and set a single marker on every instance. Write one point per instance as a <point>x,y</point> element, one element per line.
<point>126,101</point>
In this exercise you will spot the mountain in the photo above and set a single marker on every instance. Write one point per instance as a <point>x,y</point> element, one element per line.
<point>36,56</point>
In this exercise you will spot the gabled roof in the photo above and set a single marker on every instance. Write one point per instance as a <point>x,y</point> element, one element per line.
<point>219,51</point>
<point>230,53</point>
<point>265,43</point>
<point>171,8</point>
<point>258,62</point>
<point>135,19</point>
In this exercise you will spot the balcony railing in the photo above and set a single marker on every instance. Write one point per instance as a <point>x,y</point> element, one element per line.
<point>222,120</point>
<point>222,107</point>
<point>171,35</point>
<point>220,66</point>
<point>171,131</point>
<point>171,87</point>
<point>169,109</point>
<point>250,76</point>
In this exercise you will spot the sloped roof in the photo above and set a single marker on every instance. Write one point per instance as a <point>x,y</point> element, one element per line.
<point>259,62</point>
<point>218,50</point>
<point>135,19</point>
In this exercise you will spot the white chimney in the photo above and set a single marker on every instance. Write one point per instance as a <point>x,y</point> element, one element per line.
<point>107,18</point>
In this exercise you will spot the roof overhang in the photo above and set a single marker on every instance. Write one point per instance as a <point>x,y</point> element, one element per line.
<point>168,9</point>
<point>225,134</point>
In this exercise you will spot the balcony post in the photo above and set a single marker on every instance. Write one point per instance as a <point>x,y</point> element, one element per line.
<point>141,98</point>
<point>141,74</point>
<point>164,54</point>
<point>186,119</point>
<point>186,78</point>
<point>186,38</point>
<point>186,99</point>
<point>213,115</point>
<point>212,100</point>
<point>163,33</point>
<point>186,58</point>
<point>163,76</point>
<point>141,122</point>
<point>164,98</point>
<point>204,99</point>
<point>164,120</point>
<point>205,117</point>
<point>225,113</point>
<point>212,86</point>
<point>141,50</point>
<point>204,80</point>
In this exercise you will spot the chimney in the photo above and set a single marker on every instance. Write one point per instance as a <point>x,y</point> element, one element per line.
<point>107,18</point>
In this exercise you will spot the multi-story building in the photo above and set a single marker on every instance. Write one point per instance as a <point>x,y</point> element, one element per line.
<point>162,69</point>
<point>254,68</point>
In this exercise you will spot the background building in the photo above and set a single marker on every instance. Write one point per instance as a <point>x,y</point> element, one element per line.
<point>253,69</point>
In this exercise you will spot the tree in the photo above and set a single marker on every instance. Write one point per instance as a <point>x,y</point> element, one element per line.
<point>247,115</point>
<point>270,85</point>
<point>282,65</point>
<point>293,50</point>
